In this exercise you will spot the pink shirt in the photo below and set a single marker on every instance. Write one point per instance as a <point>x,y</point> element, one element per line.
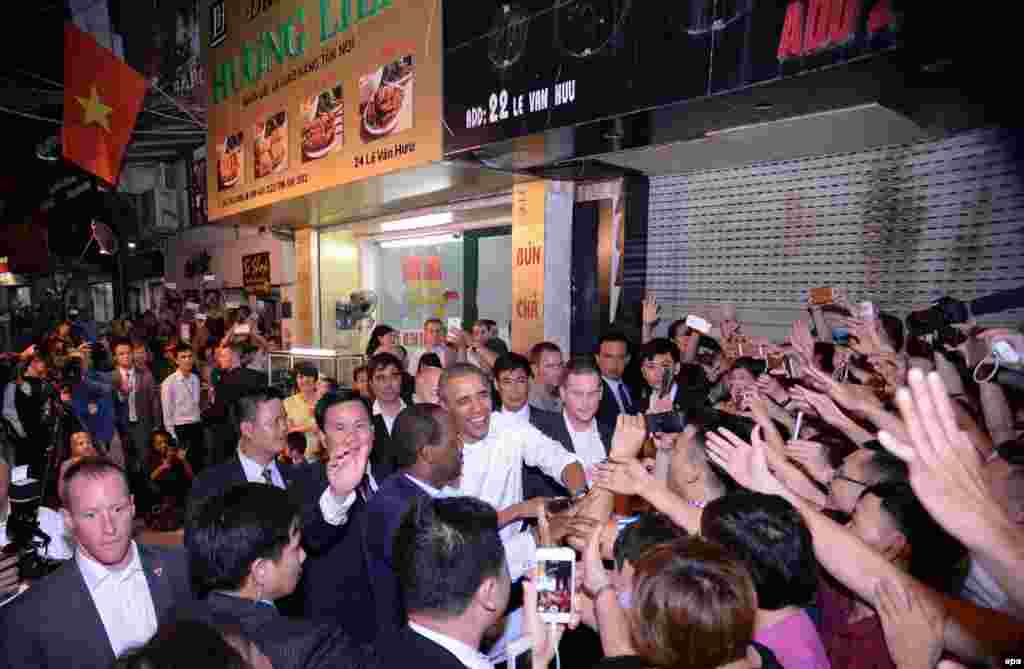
<point>795,642</point>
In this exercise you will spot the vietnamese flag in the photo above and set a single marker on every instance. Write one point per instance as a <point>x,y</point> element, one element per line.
<point>102,97</point>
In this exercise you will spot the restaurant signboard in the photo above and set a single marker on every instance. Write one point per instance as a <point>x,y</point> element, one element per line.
<point>309,94</point>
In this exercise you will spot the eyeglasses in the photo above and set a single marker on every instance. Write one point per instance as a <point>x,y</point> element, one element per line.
<point>654,365</point>
<point>515,381</point>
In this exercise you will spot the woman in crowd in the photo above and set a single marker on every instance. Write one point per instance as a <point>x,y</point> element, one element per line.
<point>382,336</point>
<point>171,478</point>
<point>300,406</point>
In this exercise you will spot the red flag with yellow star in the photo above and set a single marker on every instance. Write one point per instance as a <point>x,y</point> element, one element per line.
<point>102,97</point>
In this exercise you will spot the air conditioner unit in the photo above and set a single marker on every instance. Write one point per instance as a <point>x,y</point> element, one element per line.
<point>159,212</point>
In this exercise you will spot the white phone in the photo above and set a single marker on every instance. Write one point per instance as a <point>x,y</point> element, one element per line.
<point>556,583</point>
<point>699,324</point>
<point>454,323</point>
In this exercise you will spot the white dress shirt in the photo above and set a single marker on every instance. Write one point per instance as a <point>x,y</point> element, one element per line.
<point>52,523</point>
<point>131,381</point>
<point>587,444</point>
<point>123,600</point>
<point>523,413</point>
<point>389,421</point>
<point>492,470</point>
<point>467,655</point>
<point>335,511</point>
<point>180,399</point>
<point>254,471</point>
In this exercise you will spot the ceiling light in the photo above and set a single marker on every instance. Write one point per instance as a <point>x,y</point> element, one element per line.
<point>131,245</point>
<point>311,352</point>
<point>419,241</point>
<point>428,221</point>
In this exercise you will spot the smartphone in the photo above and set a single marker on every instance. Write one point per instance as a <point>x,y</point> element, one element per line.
<point>776,363</point>
<point>666,422</point>
<point>666,382</point>
<point>699,324</point>
<point>822,296</point>
<point>454,323</point>
<point>556,583</point>
<point>243,329</point>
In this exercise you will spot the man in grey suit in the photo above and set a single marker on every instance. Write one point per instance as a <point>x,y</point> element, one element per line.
<point>110,598</point>
<point>136,405</point>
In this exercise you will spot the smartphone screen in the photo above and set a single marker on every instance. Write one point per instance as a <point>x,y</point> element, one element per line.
<point>555,583</point>
<point>666,382</point>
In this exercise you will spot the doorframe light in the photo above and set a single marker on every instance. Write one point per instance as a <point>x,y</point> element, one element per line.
<point>420,241</point>
<point>428,221</point>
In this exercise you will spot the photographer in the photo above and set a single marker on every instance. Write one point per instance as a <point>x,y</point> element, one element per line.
<point>47,522</point>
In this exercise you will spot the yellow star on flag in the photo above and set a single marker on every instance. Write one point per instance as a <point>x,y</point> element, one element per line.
<point>94,110</point>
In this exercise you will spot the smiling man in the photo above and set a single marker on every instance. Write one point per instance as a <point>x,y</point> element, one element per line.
<point>495,448</point>
<point>110,598</point>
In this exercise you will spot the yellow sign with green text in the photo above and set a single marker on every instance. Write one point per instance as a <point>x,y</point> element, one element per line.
<point>309,94</point>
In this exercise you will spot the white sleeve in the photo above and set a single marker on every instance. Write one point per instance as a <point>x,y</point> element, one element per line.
<point>520,554</point>
<point>168,407</point>
<point>540,450</point>
<point>336,512</point>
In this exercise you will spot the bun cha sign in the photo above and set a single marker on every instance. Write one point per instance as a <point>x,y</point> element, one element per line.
<point>310,94</point>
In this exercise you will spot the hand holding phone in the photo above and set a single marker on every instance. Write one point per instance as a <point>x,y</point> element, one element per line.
<point>699,324</point>
<point>556,583</point>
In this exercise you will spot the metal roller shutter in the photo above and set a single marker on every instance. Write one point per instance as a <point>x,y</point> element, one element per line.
<point>898,225</point>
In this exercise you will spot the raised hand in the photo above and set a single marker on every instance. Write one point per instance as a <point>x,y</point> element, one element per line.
<point>745,463</point>
<point>650,309</point>
<point>823,406</point>
<point>813,456</point>
<point>770,387</point>
<point>545,637</point>
<point>346,468</point>
<point>595,577</point>
<point>628,440</point>
<point>802,341</point>
<point>623,478</point>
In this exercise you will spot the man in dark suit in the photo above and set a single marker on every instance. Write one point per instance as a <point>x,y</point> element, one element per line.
<point>336,577</point>
<point>245,552</point>
<point>612,358</point>
<point>221,418</point>
<point>386,380</point>
<point>451,564</point>
<point>429,458</point>
<point>575,426</point>
<point>110,598</point>
<point>137,408</point>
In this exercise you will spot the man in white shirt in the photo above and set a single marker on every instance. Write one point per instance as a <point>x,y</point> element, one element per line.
<point>512,379</point>
<point>433,342</point>
<point>495,448</point>
<point>179,395</point>
<point>451,564</point>
<point>110,598</point>
<point>481,332</point>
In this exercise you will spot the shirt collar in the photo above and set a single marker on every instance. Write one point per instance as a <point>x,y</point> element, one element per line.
<point>96,574</point>
<point>523,412</point>
<point>426,487</point>
<point>254,470</point>
<point>466,654</point>
<point>568,425</point>
<point>377,409</point>
<point>614,383</point>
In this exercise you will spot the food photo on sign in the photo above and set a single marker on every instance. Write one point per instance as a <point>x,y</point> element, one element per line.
<point>386,99</point>
<point>270,144</point>
<point>229,161</point>
<point>323,123</point>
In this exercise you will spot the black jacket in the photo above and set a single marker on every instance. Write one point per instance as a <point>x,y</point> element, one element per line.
<point>535,482</point>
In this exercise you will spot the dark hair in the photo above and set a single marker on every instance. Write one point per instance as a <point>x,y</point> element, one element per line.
<point>893,327</point>
<point>415,427</point>
<point>510,362</point>
<point>305,369</point>
<point>332,383</point>
<point>182,643</point>
<point>581,365</point>
<point>361,369</point>
<point>488,323</point>
<point>648,530</point>
<point>934,553</point>
<point>540,349</point>
<point>613,337</point>
<point>332,398</point>
<point>673,330</point>
<point>120,341</point>
<point>753,365</point>
<point>693,604</point>
<point>247,406</point>
<point>296,442</point>
<point>91,467</point>
<point>182,348</point>
<point>432,319</point>
<point>457,371</point>
<point>496,346</point>
<point>444,549</point>
<point>658,346</point>
<point>375,336</point>
<point>171,441</point>
<point>379,361</point>
<point>888,467</point>
<point>768,534</point>
<point>230,531</point>
<point>429,359</point>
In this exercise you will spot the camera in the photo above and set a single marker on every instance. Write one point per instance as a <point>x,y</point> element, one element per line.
<point>666,422</point>
<point>26,539</point>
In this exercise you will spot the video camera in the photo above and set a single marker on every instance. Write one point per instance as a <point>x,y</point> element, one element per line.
<point>25,538</point>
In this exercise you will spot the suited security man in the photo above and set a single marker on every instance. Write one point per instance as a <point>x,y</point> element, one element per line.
<point>244,554</point>
<point>612,358</point>
<point>451,564</point>
<point>136,405</point>
<point>429,456</point>
<point>110,598</point>
<point>575,426</point>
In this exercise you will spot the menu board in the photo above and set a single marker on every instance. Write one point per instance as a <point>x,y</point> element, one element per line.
<point>309,94</point>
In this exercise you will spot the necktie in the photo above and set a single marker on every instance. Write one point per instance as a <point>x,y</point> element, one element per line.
<point>268,476</point>
<point>627,406</point>
<point>364,490</point>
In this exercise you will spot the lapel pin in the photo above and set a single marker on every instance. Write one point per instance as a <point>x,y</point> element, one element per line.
<point>159,571</point>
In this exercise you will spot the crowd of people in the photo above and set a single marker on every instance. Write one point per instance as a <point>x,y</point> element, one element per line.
<point>849,498</point>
